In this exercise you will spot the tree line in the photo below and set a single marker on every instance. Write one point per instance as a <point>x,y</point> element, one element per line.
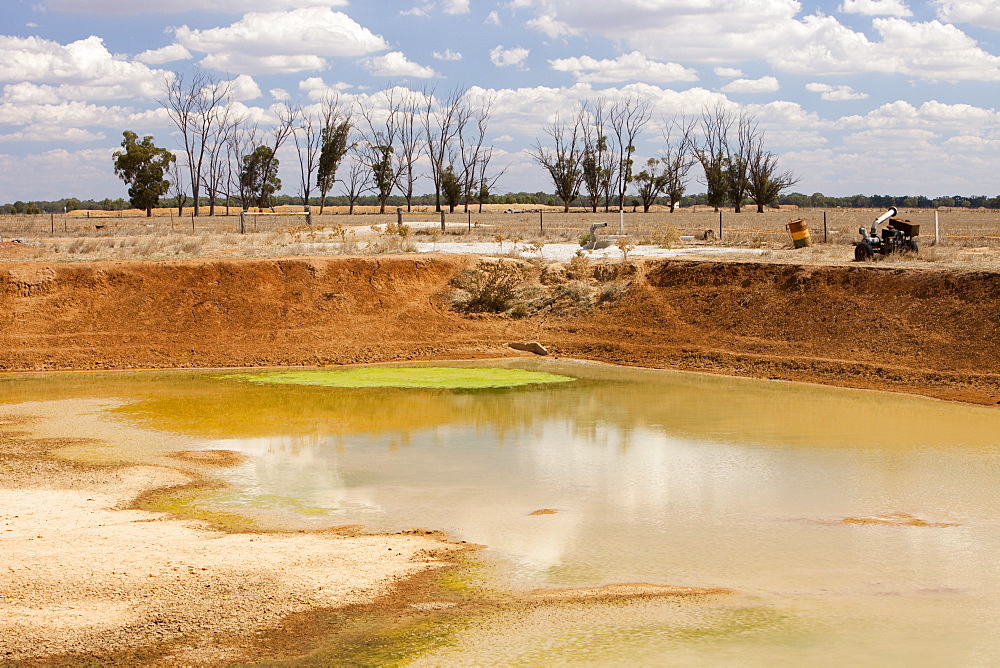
<point>815,200</point>
<point>378,153</point>
<point>593,154</point>
<point>376,150</point>
<point>226,157</point>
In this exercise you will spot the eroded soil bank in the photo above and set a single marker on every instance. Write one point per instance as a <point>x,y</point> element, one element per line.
<point>931,332</point>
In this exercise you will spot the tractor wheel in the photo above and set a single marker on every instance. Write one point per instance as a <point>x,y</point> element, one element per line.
<point>863,252</point>
<point>910,246</point>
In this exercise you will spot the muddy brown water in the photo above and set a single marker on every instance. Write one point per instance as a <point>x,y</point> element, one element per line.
<point>853,526</point>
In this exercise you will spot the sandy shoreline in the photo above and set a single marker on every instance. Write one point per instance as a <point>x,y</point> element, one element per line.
<point>87,577</point>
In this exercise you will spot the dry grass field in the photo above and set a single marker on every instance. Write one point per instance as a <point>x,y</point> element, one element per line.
<point>966,237</point>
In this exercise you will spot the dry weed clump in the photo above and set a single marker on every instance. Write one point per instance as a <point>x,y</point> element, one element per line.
<point>519,288</point>
<point>667,236</point>
<point>492,287</point>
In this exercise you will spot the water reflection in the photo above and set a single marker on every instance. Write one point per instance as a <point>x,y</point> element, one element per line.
<point>658,477</point>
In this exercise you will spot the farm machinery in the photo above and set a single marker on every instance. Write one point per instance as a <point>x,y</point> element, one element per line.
<point>896,237</point>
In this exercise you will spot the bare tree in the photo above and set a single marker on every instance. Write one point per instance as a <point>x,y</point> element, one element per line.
<point>599,162</point>
<point>443,120</point>
<point>358,179</point>
<point>677,158</point>
<point>475,155</point>
<point>738,152</point>
<point>411,144</point>
<point>765,183</point>
<point>195,107</point>
<point>563,160</point>
<point>378,148</point>
<point>215,175</point>
<point>175,173</point>
<point>627,117</point>
<point>308,138</point>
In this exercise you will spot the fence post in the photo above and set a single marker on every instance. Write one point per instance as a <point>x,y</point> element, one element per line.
<point>937,235</point>
<point>52,224</point>
<point>399,215</point>
<point>720,225</point>
<point>541,223</point>
<point>442,220</point>
<point>243,222</point>
<point>192,223</point>
<point>824,227</point>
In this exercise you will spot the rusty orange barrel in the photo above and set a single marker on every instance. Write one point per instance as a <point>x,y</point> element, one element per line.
<point>799,231</point>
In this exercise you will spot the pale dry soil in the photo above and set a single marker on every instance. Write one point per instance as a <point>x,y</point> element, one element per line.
<point>87,578</point>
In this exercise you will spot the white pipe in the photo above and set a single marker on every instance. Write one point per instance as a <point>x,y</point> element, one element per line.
<point>885,216</point>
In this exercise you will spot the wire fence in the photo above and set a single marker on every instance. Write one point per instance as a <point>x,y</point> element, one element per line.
<point>955,227</point>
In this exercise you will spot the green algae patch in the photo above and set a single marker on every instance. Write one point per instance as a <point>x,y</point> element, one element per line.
<point>192,502</point>
<point>454,378</point>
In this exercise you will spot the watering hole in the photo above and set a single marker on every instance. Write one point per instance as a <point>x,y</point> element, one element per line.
<point>849,526</point>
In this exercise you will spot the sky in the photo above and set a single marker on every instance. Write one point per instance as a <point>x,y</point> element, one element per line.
<point>854,96</point>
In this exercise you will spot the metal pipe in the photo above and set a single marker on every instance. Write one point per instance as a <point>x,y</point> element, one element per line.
<point>593,235</point>
<point>884,217</point>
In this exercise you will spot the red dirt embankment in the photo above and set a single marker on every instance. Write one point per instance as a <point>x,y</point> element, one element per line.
<point>930,331</point>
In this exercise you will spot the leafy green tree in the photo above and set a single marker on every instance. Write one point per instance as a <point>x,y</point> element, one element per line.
<point>651,182</point>
<point>259,177</point>
<point>383,174</point>
<point>451,188</point>
<point>143,166</point>
<point>334,149</point>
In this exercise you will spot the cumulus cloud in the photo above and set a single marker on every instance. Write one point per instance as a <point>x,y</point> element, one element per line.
<point>177,6</point>
<point>728,72</point>
<point>420,10</point>
<point>692,31</point>
<point>983,13</point>
<point>86,67</point>
<point>54,174</point>
<point>876,8</point>
<point>61,135</point>
<point>396,64</point>
<point>317,89</point>
<point>627,67</point>
<point>70,121</point>
<point>244,88</point>
<point>835,93</point>
<point>492,19</point>
<point>503,57</point>
<point>447,54</point>
<point>455,6</point>
<point>273,42</point>
<point>167,54</point>
<point>550,26</point>
<point>766,84</point>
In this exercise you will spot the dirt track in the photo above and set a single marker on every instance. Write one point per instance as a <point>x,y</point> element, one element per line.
<point>928,331</point>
